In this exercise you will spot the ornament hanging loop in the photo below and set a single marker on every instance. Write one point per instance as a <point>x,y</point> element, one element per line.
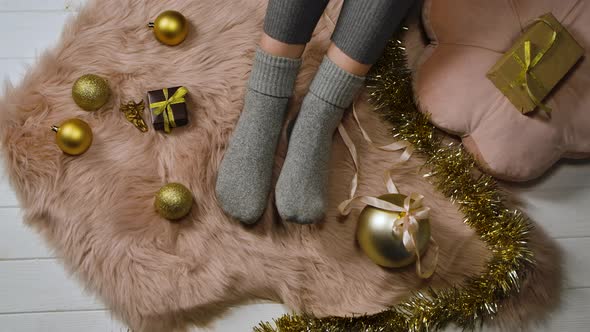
<point>55,129</point>
<point>151,25</point>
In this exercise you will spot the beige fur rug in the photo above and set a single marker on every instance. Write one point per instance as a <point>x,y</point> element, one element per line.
<point>96,210</point>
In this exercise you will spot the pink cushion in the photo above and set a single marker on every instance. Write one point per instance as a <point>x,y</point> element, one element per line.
<point>467,37</point>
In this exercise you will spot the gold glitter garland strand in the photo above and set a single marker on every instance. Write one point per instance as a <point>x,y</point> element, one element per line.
<point>504,230</point>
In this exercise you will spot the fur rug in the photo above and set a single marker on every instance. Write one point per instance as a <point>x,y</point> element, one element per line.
<point>96,210</point>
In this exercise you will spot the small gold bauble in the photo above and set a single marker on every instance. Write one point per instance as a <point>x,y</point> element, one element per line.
<point>376,238</point>
<point>170,28</point>
<point>173,201</point>
<point>73,136</point>
<point>91,92</point>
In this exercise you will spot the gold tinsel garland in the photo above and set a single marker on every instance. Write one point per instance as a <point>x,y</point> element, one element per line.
<point>504,230</point>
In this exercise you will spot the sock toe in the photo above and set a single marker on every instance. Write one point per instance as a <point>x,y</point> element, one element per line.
<point>248,211</point>
<point>301,189</point>
<point>245,174</point>
<point>296,206</point>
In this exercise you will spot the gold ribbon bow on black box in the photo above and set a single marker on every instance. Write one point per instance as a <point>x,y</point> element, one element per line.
<point>168,108</point>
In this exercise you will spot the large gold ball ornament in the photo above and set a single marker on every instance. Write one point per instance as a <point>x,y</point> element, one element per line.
<point>91,92</point>
<point>73,136</point>
<point>170,28</point>
<point>376,238</point>
<point>174,201</point>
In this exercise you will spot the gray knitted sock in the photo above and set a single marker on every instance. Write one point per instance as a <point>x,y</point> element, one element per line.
<point>300,191</point>
<point>244,179</point>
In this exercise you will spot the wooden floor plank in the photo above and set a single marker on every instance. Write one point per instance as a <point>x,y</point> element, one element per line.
<point>558,202</point>
<point>14,70</point>
<point>576,253</point>
<point>38,5</point>
<point>79,321</point>
<point>7,195</point>
<point>572,174</point>
<point>17,241</point>
<point>572,316</point>
<point>561,212</point>
<point>244,318</point>
<point>37,40</point>
<point>40,286</point>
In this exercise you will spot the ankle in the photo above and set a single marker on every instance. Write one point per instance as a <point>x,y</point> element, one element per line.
<point>273,75</point>
<point>278,48</point>
<point>347,63</point>
<point>335,85</point>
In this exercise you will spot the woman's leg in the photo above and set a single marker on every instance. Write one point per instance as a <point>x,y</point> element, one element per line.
<point>361,34</point>
<point>244,178</point>
<point>365,27</point>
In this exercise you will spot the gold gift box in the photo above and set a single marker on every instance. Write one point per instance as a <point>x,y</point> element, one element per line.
<point>552,52</point>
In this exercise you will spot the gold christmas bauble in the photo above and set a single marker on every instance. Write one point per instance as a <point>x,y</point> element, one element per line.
<point>73,136</point>
<point>174,201</point>
<point>376,237</point>
<point>91,92</point>
<point>170,28</point>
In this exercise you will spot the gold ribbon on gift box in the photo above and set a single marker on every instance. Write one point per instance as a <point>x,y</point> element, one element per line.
<point>529,63</point>
<point>165,107</point>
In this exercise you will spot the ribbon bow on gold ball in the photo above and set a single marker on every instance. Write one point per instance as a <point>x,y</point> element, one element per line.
<point>406,225</point>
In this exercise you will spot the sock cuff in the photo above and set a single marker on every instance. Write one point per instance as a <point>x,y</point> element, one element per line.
<point>335,85</point>
<point>274,75</point>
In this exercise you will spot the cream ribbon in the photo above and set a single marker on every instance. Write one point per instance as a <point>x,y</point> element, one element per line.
<point>406,225</point>
<point>346,206</point>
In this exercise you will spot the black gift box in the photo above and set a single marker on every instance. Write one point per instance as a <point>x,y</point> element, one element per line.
<point>179,110</point>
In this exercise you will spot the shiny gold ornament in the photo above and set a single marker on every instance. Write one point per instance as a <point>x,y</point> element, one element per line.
<point>170,28</point>
<point>504,229</point>
<point>376,237</point>
<point>91,92</point>
<point>133,112</point>
<point>73,136</point>
<point>174,201</point>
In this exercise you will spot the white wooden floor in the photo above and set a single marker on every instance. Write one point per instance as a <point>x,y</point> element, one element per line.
<point>36,295</point>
